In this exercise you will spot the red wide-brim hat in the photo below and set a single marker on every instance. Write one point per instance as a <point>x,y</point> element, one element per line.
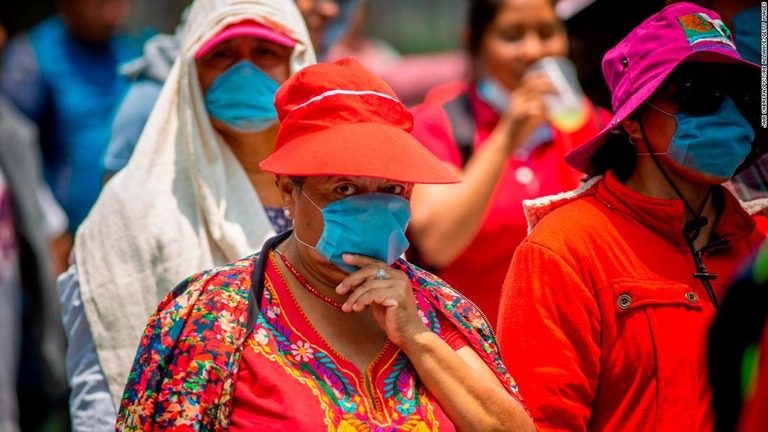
<point>340,119</point>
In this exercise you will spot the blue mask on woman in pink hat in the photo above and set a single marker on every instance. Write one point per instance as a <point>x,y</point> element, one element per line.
<point>714,144</point>
<point>636,68</point>
<point>242,98</point>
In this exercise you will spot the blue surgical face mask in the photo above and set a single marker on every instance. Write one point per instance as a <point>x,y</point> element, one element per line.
<point>243,98</point>
<point>714,144</point>
<point>746,33</point>
<point>371,224</point>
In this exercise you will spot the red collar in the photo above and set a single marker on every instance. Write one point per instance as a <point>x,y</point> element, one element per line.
<point>665,216</point>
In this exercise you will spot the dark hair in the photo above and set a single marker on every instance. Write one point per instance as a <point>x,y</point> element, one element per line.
<point>617,154</point>
<point>298,182</point>
<point>480,16</point>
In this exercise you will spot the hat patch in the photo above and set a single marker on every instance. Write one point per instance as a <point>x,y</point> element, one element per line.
<point>700,28</point>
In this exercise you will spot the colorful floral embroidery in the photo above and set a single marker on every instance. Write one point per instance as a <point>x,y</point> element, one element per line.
<point>183,374</point>
<point>261,336</point>
<point>300,356</point>
<point>302,351</point>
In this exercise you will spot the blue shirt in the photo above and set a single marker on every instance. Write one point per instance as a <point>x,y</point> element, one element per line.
<point>129,121</point>
<point>70,89</point>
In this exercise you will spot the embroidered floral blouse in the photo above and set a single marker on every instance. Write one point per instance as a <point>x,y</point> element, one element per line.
<point>195,369</point>
<point>291,379</point>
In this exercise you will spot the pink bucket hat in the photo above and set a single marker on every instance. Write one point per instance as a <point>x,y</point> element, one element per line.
<point>636,67</point>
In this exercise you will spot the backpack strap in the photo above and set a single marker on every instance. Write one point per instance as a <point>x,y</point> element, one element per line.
<point>459,112</point>
<point>256,293</point>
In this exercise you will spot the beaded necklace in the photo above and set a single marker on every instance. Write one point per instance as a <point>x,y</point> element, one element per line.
<point>306,284</point>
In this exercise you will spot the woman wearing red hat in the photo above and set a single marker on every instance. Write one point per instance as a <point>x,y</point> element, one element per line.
<point>612,293</point>
<point>192,196</point>
<point>327,328</point>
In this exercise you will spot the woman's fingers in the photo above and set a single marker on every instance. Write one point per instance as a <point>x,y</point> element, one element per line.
<point>537,82</point>
<point>370,268</point>
<point>376,283</point>
<point>361,260</point>
<point>373,292</point>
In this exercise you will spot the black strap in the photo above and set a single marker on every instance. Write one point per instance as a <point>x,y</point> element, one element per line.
<point>256,292</point>
<point>459,112</point>
<point>461,117</point>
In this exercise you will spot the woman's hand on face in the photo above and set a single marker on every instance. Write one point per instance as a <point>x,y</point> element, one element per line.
<point>391,298</point>
<point>527,110</point>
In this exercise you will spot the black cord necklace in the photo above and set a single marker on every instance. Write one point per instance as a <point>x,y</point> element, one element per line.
<point>691,228</point>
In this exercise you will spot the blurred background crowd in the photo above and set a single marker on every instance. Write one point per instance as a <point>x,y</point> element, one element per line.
<point>410,27</point>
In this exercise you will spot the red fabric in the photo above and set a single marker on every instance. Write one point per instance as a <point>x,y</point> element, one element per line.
<point>271,393</point>
<point>340,119</point>
<point>479,271</point>
<point>444,92</point>
<point>454,338</point>
<point>762,223</point>
<point>411,76</point>
<point>588,363</point>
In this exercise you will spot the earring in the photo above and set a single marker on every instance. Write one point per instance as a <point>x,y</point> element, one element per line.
<point>287,212</point>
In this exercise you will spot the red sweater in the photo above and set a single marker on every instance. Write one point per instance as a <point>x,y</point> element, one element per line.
<point>602,322</point>
<point>478,272</point>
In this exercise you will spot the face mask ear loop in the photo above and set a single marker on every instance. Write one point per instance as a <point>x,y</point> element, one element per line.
<point>659,109</point>
<point>310,200</point>
<point>296,236</point>
<point>692,228</point>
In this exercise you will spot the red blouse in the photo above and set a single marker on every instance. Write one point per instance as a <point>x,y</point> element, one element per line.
<point>291,379</point>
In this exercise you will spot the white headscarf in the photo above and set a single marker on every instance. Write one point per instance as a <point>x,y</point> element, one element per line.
<point>182,204</point>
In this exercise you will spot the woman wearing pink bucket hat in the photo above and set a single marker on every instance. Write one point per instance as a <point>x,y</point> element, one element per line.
<point>612,292</point>
<point>327,328</point>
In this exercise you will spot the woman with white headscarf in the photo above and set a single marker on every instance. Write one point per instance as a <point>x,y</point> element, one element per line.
<point>191,197</point>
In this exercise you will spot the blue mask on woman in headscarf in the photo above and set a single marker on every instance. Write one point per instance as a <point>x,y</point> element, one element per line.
<point>371,224</point>
<point>714,144</point>
<point>243,98</point>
